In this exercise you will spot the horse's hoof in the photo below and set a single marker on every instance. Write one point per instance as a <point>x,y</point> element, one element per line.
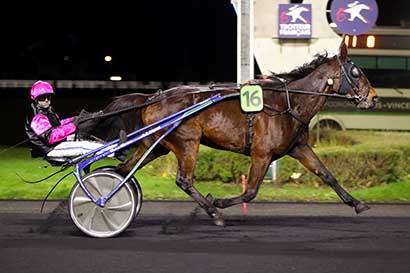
<point>221,203</point>
<point>218,220</point>
<point>218,203</point>
<point>360,207</point>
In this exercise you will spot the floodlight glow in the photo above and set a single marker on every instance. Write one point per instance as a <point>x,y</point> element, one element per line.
<point>115,78</point>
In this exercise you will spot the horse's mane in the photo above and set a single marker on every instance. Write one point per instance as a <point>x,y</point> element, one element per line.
<point>301,71</point>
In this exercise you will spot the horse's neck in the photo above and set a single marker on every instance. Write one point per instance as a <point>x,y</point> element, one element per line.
<point>307,106</point>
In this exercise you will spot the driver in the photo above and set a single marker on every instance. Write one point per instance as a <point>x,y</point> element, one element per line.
<point>49,136</point>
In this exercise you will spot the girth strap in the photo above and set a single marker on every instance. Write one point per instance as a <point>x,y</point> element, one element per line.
<point>249,132</point>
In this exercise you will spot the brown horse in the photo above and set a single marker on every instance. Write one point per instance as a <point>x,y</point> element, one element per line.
<point>281,128</point>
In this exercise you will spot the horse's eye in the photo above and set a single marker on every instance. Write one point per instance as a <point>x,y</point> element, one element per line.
<point>355,72</point>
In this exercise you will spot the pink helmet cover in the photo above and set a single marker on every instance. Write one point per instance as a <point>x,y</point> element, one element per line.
<point>40,88</point>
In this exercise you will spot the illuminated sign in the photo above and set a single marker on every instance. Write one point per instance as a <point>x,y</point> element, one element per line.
<point>368,41</point>
<point>354,17</point>
<point>373,41</point>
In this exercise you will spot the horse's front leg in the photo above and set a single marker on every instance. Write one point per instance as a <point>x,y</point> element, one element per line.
<point>310,160</point>
<point>256,174</point>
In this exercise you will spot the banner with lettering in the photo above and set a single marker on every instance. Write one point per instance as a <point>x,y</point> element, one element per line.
<point>295,21</point>
<point>384,104</point>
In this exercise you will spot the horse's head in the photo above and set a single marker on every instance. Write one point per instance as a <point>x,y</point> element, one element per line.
<point>353,82</point>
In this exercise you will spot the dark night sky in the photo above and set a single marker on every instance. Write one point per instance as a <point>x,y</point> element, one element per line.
<point>162,40</point>
<point>192,40</point>
<point>152,40</point>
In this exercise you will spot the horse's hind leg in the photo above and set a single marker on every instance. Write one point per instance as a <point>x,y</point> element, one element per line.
<point>255,177</point>
<point>125,167</point>
<point>309,159</point>
<point>186,184</point>
<point>187,152</point>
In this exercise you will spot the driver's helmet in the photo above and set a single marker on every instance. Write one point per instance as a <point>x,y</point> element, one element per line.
<point>40,88</point>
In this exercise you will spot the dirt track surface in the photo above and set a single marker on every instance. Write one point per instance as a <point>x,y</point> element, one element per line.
<point>271,237</point>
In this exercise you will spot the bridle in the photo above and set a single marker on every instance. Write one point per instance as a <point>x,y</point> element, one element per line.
<point>349,76</point>
<point>349,79</point>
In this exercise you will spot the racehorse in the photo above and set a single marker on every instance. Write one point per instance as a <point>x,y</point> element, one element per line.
<point>281,128</point>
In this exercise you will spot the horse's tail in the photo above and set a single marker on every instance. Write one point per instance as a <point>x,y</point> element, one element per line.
<point>108,127</point>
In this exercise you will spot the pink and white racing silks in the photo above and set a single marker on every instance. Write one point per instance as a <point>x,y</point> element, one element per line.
<point>66,120</point>
<point>41,124</point>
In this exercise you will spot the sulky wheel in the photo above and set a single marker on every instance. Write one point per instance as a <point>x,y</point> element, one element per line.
<point>111,219</point>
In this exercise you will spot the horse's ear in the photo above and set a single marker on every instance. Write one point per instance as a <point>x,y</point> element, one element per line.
<point>343,51</point>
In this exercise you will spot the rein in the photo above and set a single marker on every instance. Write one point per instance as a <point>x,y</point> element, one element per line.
<point>213,88</point>
<point>315,93</point>
<point>343,75</point>
<point>156,97</point>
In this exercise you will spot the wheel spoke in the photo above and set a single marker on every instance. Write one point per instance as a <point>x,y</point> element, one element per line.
<point>110,223</point>
<point>87,223</point>
<point>80,200</point>
<point>94,184</point>
<point>124,207</point>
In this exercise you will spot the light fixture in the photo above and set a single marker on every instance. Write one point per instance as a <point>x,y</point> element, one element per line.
<point>115,78</point>
<point>108,58</point>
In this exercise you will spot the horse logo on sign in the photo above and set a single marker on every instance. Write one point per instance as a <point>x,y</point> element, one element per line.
<point>295,12</point>
<point>355,9</point>
<point>295,21</point>
<point>354,17</point>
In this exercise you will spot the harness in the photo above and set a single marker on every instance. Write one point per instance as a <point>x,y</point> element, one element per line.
<point>349,80</point>
<point>249,132</point>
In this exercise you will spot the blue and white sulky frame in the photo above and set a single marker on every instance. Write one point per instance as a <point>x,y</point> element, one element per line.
<point>169,123</point>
